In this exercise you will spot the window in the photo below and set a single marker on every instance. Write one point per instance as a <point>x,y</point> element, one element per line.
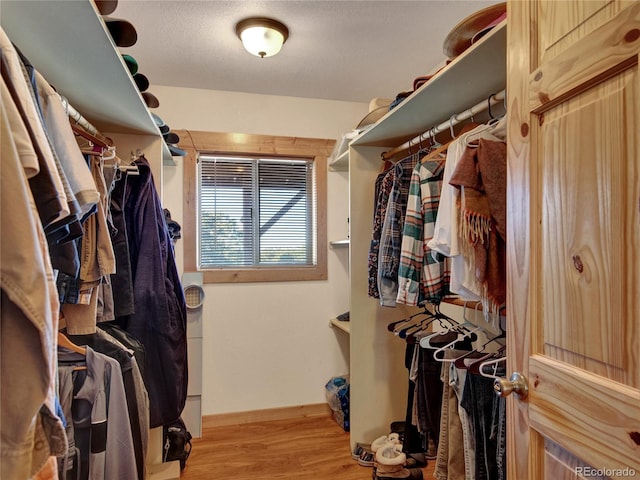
<point>256,212</point>
<point>254,207</point>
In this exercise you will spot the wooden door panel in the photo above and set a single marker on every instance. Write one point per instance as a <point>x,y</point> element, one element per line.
<point>588,415</point>
<point>574,236</point>
<point>563,23</point>
<point>604,53</point>
<point>584,373</point>
<point>562,465</point>
<point>589,179</point>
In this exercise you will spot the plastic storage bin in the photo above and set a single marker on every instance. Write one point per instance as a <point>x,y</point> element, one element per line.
<point>337,395</point>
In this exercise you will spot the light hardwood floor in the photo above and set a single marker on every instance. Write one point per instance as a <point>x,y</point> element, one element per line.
<point>310,448</point>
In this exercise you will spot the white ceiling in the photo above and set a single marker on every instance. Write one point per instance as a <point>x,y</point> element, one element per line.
<point>351,50</point>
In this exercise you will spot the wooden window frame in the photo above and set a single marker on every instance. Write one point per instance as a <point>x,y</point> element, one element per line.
<point>215,143</point>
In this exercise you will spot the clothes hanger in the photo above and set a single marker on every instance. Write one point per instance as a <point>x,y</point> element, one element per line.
<point>407,321</point>
<point>437,153</point>
<point>476,366</point>
<point>491,124</point>
<point>493,363</point>
<point>465,328</point>
<point>461,362</point>
<point>63,341</point>
<point>421,326</point>
<point>453,327</point>
<point>471,335</point>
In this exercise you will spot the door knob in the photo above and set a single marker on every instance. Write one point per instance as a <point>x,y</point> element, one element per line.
<point>517,384</point>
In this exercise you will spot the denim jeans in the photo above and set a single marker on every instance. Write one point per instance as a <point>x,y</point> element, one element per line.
<point>414,441</point>
<point>477,399</point>
<point>450,460</point>
<point>500,435</point>
<point>429,394</point>
<point>457,380</point>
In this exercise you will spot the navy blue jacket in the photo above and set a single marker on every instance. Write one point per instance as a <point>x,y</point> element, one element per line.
<point>160,318</point>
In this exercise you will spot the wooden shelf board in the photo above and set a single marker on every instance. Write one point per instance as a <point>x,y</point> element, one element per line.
<point>344,326</point>
<point>93,76</point>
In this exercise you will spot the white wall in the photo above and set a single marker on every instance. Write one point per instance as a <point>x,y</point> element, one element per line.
<point>267,345</point>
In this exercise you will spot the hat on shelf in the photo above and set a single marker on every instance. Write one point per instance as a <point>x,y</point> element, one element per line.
<point>131,63</point>
<point>106,7</point>
<point>472,28</point>
<point>164,129</point>
<point>122,32</point>
<point>171,138</point>
<point>150,99</point>
<point>176,151</point>
<point>142,82</point>
<point>157,120</point>
<point>378,107</point>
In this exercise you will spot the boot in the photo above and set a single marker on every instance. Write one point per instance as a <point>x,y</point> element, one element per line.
<point>379,442</point>
<point>391,464</point>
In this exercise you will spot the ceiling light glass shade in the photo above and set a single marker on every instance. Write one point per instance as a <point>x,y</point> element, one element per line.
<point>262,37</point>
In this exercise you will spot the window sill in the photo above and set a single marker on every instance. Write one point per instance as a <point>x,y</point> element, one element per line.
<point>250,275</point>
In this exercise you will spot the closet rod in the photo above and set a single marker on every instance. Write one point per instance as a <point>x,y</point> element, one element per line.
<point>493,99</point>
<point>87,128</point>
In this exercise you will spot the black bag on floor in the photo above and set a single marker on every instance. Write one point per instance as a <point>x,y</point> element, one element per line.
<point>177,442</point>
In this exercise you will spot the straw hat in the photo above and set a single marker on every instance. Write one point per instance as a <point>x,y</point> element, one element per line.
<point>378,107</point>
<point>471,29</point>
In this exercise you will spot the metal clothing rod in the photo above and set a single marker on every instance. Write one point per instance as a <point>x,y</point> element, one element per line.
<point>493,99</point>
<point>94,135</point>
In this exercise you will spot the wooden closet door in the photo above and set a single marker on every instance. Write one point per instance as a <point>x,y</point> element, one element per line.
<point>574,238</point>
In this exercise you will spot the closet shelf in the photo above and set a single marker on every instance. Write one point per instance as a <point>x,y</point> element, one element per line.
<point>340,243</point>
<point>83,65</point>
<point>344,326</point>
<point>341,163</point>
<point>479,72</point>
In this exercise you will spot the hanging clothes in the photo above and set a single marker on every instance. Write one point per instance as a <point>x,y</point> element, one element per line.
<point>136,395</point>
<point>447,238</point>
<point>422,276</point>
<point>383,186</point>
<point>30,430</point>
<point>95,405</point>
<point>391,233</point>
<point>481,176</point>
<point>159,320</point>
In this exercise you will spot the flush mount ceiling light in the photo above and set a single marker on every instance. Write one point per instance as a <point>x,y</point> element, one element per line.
<point>262,37</point>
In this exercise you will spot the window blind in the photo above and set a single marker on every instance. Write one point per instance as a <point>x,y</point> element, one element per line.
<point>256,212</point>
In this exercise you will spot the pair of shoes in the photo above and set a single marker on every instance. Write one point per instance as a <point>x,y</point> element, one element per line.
<point>391,464</point>
<point>399,428</point>
<point>359,448</point>
<point>366,459</point>
<point>380,442</point>
<point>363,455</point>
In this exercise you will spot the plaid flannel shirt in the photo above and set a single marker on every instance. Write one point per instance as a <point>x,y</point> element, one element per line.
<point>391,235</point>
<point>420,276</point>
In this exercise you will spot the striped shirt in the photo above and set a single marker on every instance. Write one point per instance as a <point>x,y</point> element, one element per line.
<point>420,276</point>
